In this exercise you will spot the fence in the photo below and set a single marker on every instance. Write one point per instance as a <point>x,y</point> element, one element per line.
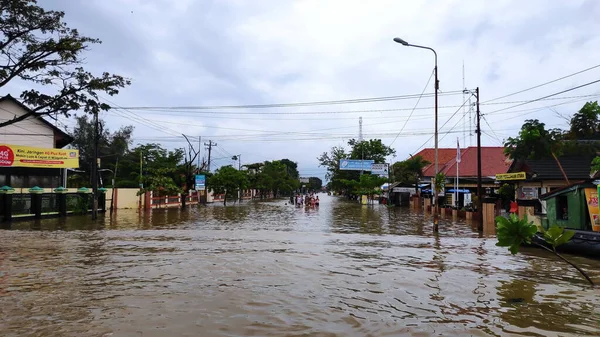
<point>40,203</point>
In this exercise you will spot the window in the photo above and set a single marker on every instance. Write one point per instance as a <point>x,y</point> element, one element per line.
<point>562,208</point>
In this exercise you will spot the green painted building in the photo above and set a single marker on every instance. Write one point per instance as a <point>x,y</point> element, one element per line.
<point>567,207</point>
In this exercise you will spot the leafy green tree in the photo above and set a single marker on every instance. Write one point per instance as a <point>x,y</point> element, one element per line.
<point>227,180</point>
<point>315,183</point>
<point>585,124</point>
<point>372,149</point>
<point>596,164</point>
<point>367,184</point>
<point>514,232</point>
<point>160,182</point>
<point>410,170</point>
<point>339,179</point>
<point>111,145</point>
<point>39,49</point>
<point>150,158</point>
<point>535,142</point>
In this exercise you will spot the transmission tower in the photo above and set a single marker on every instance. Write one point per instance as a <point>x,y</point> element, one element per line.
<point>360,133</point>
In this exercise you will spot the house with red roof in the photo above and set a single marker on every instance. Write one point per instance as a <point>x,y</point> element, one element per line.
<point>493,161</point>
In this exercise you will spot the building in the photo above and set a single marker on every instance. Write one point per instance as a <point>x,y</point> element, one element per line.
<point>44,168</point>
<point>541,176</point>
<point>574,206</point>
<point>493,162</point>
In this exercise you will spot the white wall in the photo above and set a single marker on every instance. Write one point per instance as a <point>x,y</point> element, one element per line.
<point>29,132</point>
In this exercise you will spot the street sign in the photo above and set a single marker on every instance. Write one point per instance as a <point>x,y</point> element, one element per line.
<point>304,180</point>
<point>356,165</point>
<point>380,169</point>
<point>200,182</point>
<point>511,176</point>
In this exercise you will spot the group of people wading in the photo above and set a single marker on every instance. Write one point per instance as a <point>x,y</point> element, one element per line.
<point>310,200</point>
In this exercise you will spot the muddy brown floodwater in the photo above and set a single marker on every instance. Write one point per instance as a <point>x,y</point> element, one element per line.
<point>270,269</point>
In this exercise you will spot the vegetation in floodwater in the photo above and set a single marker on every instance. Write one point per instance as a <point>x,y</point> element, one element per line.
<point>513,232</point>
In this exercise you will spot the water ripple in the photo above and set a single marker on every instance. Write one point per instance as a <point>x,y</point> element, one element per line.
<point>271,269</point>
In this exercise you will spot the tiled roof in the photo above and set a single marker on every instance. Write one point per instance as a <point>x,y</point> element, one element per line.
<point>493,161</point>
<point>576,167</point>
<point>444,156</point>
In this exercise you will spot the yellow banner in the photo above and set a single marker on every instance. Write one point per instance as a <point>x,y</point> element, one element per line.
<point>27,156</point>
<point>512,176</point>
<point>591,197</point>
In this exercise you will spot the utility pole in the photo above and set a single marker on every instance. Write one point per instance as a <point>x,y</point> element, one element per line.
<point>210,145</point>
<point>199,148</point>
<point>95,171</point>
<point>479,192</point>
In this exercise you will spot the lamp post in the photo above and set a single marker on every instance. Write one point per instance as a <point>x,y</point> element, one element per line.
<point>112,194</point>
<point>436,165</point>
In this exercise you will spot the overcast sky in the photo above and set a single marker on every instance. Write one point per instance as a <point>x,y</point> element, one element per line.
<point>204,53</point>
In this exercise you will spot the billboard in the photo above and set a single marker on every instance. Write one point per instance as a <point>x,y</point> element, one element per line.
<point>27,156</point>
<point>356,165</point>
<point>591,197</point>
<point>304,180</point>
<point>380,169</point>
<point>200,182</point>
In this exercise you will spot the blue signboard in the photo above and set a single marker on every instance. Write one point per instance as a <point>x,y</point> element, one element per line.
<point>356,165</point>
<point>200,182</point>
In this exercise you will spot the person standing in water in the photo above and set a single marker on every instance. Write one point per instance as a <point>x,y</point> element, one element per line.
<point>317,201</point>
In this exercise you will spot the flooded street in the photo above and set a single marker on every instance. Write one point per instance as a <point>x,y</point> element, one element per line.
<point>270,269</point>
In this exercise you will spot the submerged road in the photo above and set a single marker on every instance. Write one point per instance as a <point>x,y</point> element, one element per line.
<point>271,269</point>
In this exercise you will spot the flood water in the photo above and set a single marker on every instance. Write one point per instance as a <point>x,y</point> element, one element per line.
<point>270,269</point>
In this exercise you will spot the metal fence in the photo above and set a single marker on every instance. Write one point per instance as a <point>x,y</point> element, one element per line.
<point>49,203</point>
<point>21,203</point>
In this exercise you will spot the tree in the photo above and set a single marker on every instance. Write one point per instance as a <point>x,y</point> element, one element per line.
<point>315,183</point>
<point>596,164</point>
<point>372,149</point>
<point>150,158</point>
<point>227,180</point>
<point>585,124</point>
<point>112,146</point>
<point>40,49</point>
<point>188,170</point>
<point>367,184</point>
<point>338,179</point>
<point>535,142</point>
<point>410,170</point>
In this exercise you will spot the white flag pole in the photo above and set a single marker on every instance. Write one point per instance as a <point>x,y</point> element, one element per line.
<point>458,159</point>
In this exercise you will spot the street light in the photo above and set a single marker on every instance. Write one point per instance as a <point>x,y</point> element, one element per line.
<point>437,85</point>
<point>112,194</point>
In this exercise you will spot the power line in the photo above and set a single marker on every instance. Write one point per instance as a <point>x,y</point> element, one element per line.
<point>297,104</point>
<point>547,96</point>
<point>416,104</point>
<point>221,114</point>
<point>543,84</point>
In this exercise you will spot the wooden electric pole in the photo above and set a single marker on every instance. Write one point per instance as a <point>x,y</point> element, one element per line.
<point>479,189</point>
<point>210,145</point>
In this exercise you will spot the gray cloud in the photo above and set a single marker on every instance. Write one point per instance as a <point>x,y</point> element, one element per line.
<point>186,52</point>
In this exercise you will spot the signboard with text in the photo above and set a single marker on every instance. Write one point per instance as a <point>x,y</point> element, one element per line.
<point>511,176</point>
<point>200,182</point>
<point>356,165</point>
<point>27,156</point>
<point>380,169</point>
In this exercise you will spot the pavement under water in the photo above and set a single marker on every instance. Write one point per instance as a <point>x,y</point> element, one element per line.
<point>272,269</point>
